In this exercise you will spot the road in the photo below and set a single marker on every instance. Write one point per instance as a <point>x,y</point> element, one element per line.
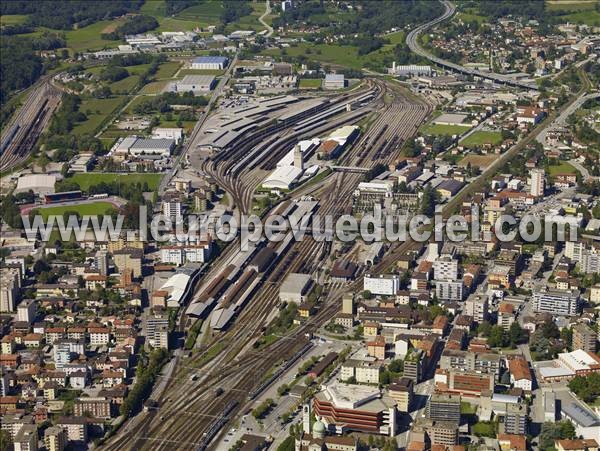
<point>413,44</point>
<point>261,19</point>
<point>561,120</point>
<point>166,179</point>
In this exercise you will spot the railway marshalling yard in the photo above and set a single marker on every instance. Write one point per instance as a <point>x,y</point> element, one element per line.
<point>190,415</point>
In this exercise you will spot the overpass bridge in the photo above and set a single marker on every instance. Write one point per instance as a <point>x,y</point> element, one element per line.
<point>353,169</point>
<point>413,44</point>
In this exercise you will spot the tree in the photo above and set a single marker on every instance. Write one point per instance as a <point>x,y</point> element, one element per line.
<point>497,337</point>
<point>516,335</point>
<point>555,431</point>
<point>484,329</point>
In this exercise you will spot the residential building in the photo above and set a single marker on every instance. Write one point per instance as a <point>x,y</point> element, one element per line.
<point>476,306</point>
<point>449,290</point>
<point>520,374</point>
<point>515,419</point>
<point>585,338</point>
<point>129,259</point>
<point>445,268</point>
<point>55,438</point>
<point>402,391</point>
<point>76,428</point>
<point>26,439</point>
<point>537,182</point>
<point>362,371</point>
<point>26,311</point>
<point>557,302</point>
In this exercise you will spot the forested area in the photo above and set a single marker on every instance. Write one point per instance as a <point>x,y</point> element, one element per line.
<point>20,66</point>
<point>234,10</point>
<point>64,14</point>
<point>175,6</point>
<point>134,25</point>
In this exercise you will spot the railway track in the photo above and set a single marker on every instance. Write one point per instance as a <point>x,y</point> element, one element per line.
<point>32,119</point>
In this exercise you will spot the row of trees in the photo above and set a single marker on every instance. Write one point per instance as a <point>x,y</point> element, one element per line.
<point>146,373</point>
<point>64,14</point>
<point>163,103</point>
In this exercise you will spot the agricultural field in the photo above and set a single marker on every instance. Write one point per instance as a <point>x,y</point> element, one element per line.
<point>481,137</point>
<point>480,161</point>
<point>95,208</point>
<point>96,111</point>
<point>443,129</point>
<point>93,178</point>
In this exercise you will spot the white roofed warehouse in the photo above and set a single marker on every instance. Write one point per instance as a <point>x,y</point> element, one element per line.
<point>282,178</point>
<point>198,84</point>
<point>210,63</point>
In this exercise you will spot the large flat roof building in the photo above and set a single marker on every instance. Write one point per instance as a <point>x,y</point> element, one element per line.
<point>210,63</point>
<point>198,84</point>
<point>356,408</point>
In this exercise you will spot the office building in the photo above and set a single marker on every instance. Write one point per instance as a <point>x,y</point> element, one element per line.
<point>384,284</point>
<point>444,407</point>
<point>334,81</point>
<point>347,408</point>
<point>443,433</point>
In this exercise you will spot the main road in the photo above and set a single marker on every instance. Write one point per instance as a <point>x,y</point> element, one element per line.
<point>413,43</point>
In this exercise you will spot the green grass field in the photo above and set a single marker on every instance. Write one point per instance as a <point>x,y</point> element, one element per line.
<point>154,87</point>
<point>94,178</point>
<point>96,111</point>
<point>480,137</point>
<point>583,12</point>
<point>442,129</point>
<point>167,70</point>
<point>96,208</point>
<point>562,168</point>
<point>310,83</point>
<point>88,38</point>
<point>215,72</point>
<point>124,86</point>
